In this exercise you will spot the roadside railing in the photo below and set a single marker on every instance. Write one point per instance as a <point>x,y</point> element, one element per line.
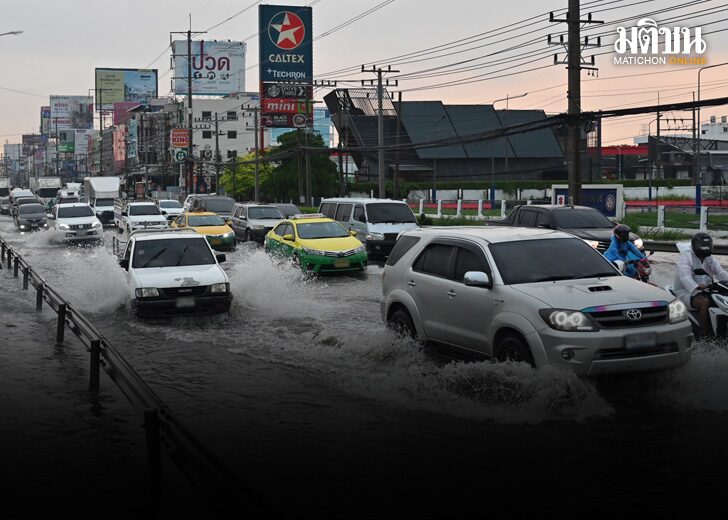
<point>469,209</point>
<point>218,484</point>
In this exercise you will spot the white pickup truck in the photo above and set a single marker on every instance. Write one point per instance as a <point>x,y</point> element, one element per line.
<point>133,215</point>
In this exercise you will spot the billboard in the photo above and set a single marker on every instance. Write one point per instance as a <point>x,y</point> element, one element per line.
<point>31,143</point>
<point>285,36</point>
<point>121,110</point>
<point>607,198</point>
<point>218,68</point>
<point>69,112</point>
<point>66,140</point>
<point>117,85</point>
<point>81,140</point>
<point>45,120</point>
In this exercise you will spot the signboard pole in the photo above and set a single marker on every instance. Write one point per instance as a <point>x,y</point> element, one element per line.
<point>189,112</point>
<point>257,173</point>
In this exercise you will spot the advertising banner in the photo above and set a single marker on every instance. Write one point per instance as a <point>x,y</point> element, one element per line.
<point>285,42</point>
<point>118,85</point>
<point>66,140</point>
<point>45,120</point>
<point>180,138</point>
<point>283,90</point>
<point>218,68</point>
<point>31,143</point>
<point>132,139</point>
<point>286,113</point>
<point>81,140</point>
<point>121,109</point>
<point>69,112</point>
<point>607,198</point>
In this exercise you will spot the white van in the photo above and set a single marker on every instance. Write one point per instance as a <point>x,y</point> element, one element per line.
<point>377,222</point>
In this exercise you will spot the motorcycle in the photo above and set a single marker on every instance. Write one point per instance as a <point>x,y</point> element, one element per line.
<point>717,293</point>
<point>643,268</point>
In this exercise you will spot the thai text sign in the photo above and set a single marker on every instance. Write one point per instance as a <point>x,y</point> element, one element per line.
<point>218,68</point>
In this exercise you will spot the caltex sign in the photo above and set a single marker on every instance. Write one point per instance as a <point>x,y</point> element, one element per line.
<point>285,43</point>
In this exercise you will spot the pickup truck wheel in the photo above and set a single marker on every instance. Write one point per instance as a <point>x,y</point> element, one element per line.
<point>513,348</point>
<point>401,323</point>
<point>246,238</point>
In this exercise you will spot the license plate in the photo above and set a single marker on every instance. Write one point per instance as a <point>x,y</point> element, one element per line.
<point>341,263</point>
<point>185,302</point>
<point>637,341</point>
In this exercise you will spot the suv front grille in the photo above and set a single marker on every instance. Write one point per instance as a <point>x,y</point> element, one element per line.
<point>618,318</point>
<point>174,292</point>
<point>80,226</point>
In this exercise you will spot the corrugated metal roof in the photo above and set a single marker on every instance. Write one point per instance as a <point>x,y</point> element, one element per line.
<point>426,121</point>
<point>476,119</point>
<point>536,143</point>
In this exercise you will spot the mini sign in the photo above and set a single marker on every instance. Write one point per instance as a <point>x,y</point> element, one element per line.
<point>180,138</point>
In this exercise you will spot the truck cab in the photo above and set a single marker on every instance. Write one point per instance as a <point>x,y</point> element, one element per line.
<point>135,215</point>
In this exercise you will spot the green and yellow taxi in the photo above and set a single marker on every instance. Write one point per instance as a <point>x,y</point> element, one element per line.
<point>317,243</point>
<point>216,230</point>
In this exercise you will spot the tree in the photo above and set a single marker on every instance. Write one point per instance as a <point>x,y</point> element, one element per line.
<point>239,176</point>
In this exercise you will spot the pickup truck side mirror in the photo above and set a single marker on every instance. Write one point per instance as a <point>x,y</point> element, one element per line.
<point>477,279</point>
<point>220,258</point>
<point>124,264</point>
<point>545,225</point>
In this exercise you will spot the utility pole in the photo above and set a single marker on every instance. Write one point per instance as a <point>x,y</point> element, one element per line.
<point>301,193</point>
<point>575,64</point>
<point>309,194</point>
<point>396,152</point>
<point>57,139</point>
<point>190,162</point>
<point>217,154</point>
<point>380,119</point>
<point>257,166</point>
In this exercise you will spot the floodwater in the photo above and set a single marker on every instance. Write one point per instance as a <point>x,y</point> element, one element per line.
<point>306,396</point>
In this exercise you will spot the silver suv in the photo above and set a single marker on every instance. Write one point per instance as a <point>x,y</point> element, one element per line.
<point>535,295</point>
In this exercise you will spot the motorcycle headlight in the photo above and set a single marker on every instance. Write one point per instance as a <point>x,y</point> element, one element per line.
<point>375,236</point>
<point>567,320</point>
<point>678,311</point>
<point>96,224</point>
<point>64,227</point>
<point>310,251</point>
<point>360,249</point>
<point>639,244</point>
<point>147,292</point>
<point>220,287</point>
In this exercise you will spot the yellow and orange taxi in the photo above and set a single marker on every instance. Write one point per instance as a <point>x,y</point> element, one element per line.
<point>317,243</point>
<point>216,230</point>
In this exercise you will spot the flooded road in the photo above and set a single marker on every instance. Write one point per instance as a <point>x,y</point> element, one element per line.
<point>305,395</point>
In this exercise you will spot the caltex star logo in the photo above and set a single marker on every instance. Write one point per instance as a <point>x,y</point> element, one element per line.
<point>286,30</point>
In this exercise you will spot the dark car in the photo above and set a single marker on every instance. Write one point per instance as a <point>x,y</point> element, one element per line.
<point>219,204</point>
<point>581,221</point>
<point>23,200</point>
<point>4,205</point>
<point>288,209</point>
<point>31,217</point>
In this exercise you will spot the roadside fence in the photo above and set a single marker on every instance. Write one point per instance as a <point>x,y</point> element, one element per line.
<point>218,484</point>
<point>470,209</point>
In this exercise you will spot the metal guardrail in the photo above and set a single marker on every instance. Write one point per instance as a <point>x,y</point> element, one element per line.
<point>670,247</point>
<point>219,485</point>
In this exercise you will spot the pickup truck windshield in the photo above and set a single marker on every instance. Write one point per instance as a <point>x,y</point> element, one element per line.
<point>581,218</point>
<point>558,259</point>
<point>172,252</point>
<point>147,209</point>
<point>169,204</point>
<point>221,205</point>
<point>75,211</point>
<point>382,213</point>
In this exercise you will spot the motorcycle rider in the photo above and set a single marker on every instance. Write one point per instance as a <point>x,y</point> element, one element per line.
<point>689,286</point>
<point>621,248</point>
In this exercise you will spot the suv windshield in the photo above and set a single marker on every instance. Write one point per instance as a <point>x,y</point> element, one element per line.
<point>581,218</point>
<point>384,212</point>
<point>321,230</point>
<point>104,202</point>
<point>218,205</point>
<point>289,209</point>
<point>204,220</point>
<point>264,213</point>
<point>27,209</point>
<point>558,259</point>
<point>147,209</point>
<point>169,204</point>
<point>75,211</point>
<point>172,252</point>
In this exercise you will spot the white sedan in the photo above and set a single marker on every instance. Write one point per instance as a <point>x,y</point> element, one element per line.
<point>74,222</point>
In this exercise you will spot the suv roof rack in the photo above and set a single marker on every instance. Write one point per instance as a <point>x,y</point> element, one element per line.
<point>302,216</point>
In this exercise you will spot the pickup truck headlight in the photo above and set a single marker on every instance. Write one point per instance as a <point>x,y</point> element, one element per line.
<point>64,227</point>
<point>147,292</point>
<point>96,224</point>
<point>678,311</point>
<point>310,251</point>
<point>567,320</point>
<point>375,236</point>
<point>220,287</point>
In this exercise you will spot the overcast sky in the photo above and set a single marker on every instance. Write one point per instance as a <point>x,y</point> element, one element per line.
<point>64,41</point>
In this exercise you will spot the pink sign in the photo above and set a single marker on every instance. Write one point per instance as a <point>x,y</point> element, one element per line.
<point>121,109</point>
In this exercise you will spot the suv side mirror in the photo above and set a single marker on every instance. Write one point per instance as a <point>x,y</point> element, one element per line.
<point>544,225</point>
<point>220,258</point>
<point>124,263</point>
<point>620,265</point>
<point>477,279</point>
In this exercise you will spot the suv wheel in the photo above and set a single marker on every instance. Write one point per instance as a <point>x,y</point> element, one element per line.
<point>247,236</point>
<point>401,323</point>
<point>513,348</point>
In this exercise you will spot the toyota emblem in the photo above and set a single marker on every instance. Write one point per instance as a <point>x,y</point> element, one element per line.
<point>633,314</point>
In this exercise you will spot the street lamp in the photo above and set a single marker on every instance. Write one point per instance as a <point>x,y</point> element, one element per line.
<point>14,33</point>
<point>505,147</point>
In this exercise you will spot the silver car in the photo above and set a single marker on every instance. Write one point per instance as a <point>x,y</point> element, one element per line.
<point>534,295</point>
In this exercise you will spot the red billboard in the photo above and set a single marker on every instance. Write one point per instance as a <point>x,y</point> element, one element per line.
<point>286,112</point>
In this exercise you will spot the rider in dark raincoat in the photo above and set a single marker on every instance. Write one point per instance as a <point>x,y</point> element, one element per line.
<point>622,249</point>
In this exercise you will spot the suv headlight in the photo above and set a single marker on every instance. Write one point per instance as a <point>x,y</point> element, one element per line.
<point>220,287</point>
<point>375,236</point>
<point>678,311</point>
<point>567,320</point>
<point>310,251</point>
<point>147,292</point>
<point>96,224</point>
<point>64,227</point>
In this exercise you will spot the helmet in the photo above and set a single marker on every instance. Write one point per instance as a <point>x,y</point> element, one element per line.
<point>622,233</point>
<point>702,244</point>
